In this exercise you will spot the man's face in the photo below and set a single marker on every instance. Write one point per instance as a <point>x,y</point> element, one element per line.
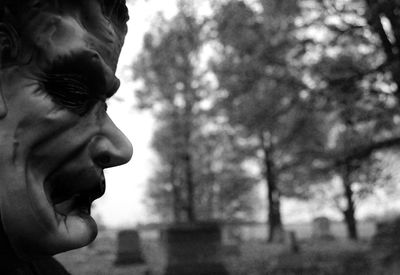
<point>55,135</point>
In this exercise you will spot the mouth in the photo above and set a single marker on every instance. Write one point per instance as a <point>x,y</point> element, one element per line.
<point>73,193</point>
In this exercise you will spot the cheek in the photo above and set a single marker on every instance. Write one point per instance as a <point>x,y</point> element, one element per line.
<point>34,119</point>
<point>42,131</point>
<point>62,139</point>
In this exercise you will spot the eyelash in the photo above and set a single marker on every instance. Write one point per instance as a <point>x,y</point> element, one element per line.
<point>70,92</point>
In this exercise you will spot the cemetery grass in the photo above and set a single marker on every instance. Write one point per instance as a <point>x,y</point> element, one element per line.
<point>251,257</point>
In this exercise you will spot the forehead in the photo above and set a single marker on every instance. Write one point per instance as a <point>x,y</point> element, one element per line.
<point>86,35</point>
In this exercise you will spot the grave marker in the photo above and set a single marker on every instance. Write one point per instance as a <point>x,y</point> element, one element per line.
<point>129,250</point>
<point>193,249</point>
<point>322,229</point>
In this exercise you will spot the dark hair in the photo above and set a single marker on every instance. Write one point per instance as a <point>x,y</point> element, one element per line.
<point>116,11</point>
<point>12,11</point>
<point>15,16</point>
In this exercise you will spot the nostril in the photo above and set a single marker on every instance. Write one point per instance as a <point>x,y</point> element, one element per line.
<point>103,160</point>
<point>110,147</point>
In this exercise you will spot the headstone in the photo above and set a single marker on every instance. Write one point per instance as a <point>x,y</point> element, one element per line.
<point>321,229</point>
<point>129,250</point>
<point>387,239</point>
<point>193,249</point>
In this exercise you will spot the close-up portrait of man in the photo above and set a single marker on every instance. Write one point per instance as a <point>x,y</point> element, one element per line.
<point>57,69</point>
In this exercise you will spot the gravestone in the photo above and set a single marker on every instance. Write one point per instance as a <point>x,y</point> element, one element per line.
<point>386,240</point>
<point>193,249</point>
<point>321,229</point>
<point>129,249</point>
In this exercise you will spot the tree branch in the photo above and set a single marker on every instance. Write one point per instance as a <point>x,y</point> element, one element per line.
<point>337,158</point>
<point>375,21</point>
<point>364,152</point>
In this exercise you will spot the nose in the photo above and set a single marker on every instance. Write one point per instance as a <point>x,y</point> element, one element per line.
<point>110,147</point>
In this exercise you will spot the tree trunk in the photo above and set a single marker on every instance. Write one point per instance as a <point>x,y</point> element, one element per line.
<point>273,195</point>
<point>176,196</point>
<point>349,212</point>
<point>191,217</point>
<point>187,158</point>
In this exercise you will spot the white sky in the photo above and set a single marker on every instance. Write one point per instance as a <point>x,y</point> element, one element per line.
<point>123,203</point>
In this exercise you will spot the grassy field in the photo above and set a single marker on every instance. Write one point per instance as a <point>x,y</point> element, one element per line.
<point>250,257</point>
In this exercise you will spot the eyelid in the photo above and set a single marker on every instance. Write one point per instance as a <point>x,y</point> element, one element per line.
<point>72,92</point>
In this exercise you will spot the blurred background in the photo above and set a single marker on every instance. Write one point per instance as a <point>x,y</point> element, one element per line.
<point>267,116</point>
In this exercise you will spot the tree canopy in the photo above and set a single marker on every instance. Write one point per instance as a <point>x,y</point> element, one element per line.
<point>307,91</point>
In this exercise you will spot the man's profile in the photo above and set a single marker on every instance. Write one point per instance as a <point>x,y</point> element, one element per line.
<point>57,69</point>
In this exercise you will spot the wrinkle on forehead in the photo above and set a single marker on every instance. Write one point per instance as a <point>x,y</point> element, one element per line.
<point>79,31</point>
<point>67,32</point>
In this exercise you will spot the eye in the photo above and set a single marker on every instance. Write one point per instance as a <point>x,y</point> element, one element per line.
<point>70,91</point>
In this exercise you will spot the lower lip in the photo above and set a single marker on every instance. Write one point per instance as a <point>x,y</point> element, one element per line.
<point>79,210</point>
<point>79,215</point>
<point>80,229</point>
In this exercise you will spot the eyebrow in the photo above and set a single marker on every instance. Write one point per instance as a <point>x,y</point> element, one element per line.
<point>90,69</point>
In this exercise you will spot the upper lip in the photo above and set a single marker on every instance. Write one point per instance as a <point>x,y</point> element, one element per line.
<point>63,185</point>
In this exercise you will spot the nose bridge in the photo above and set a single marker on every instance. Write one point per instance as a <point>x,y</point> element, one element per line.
<point>110,147</point>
